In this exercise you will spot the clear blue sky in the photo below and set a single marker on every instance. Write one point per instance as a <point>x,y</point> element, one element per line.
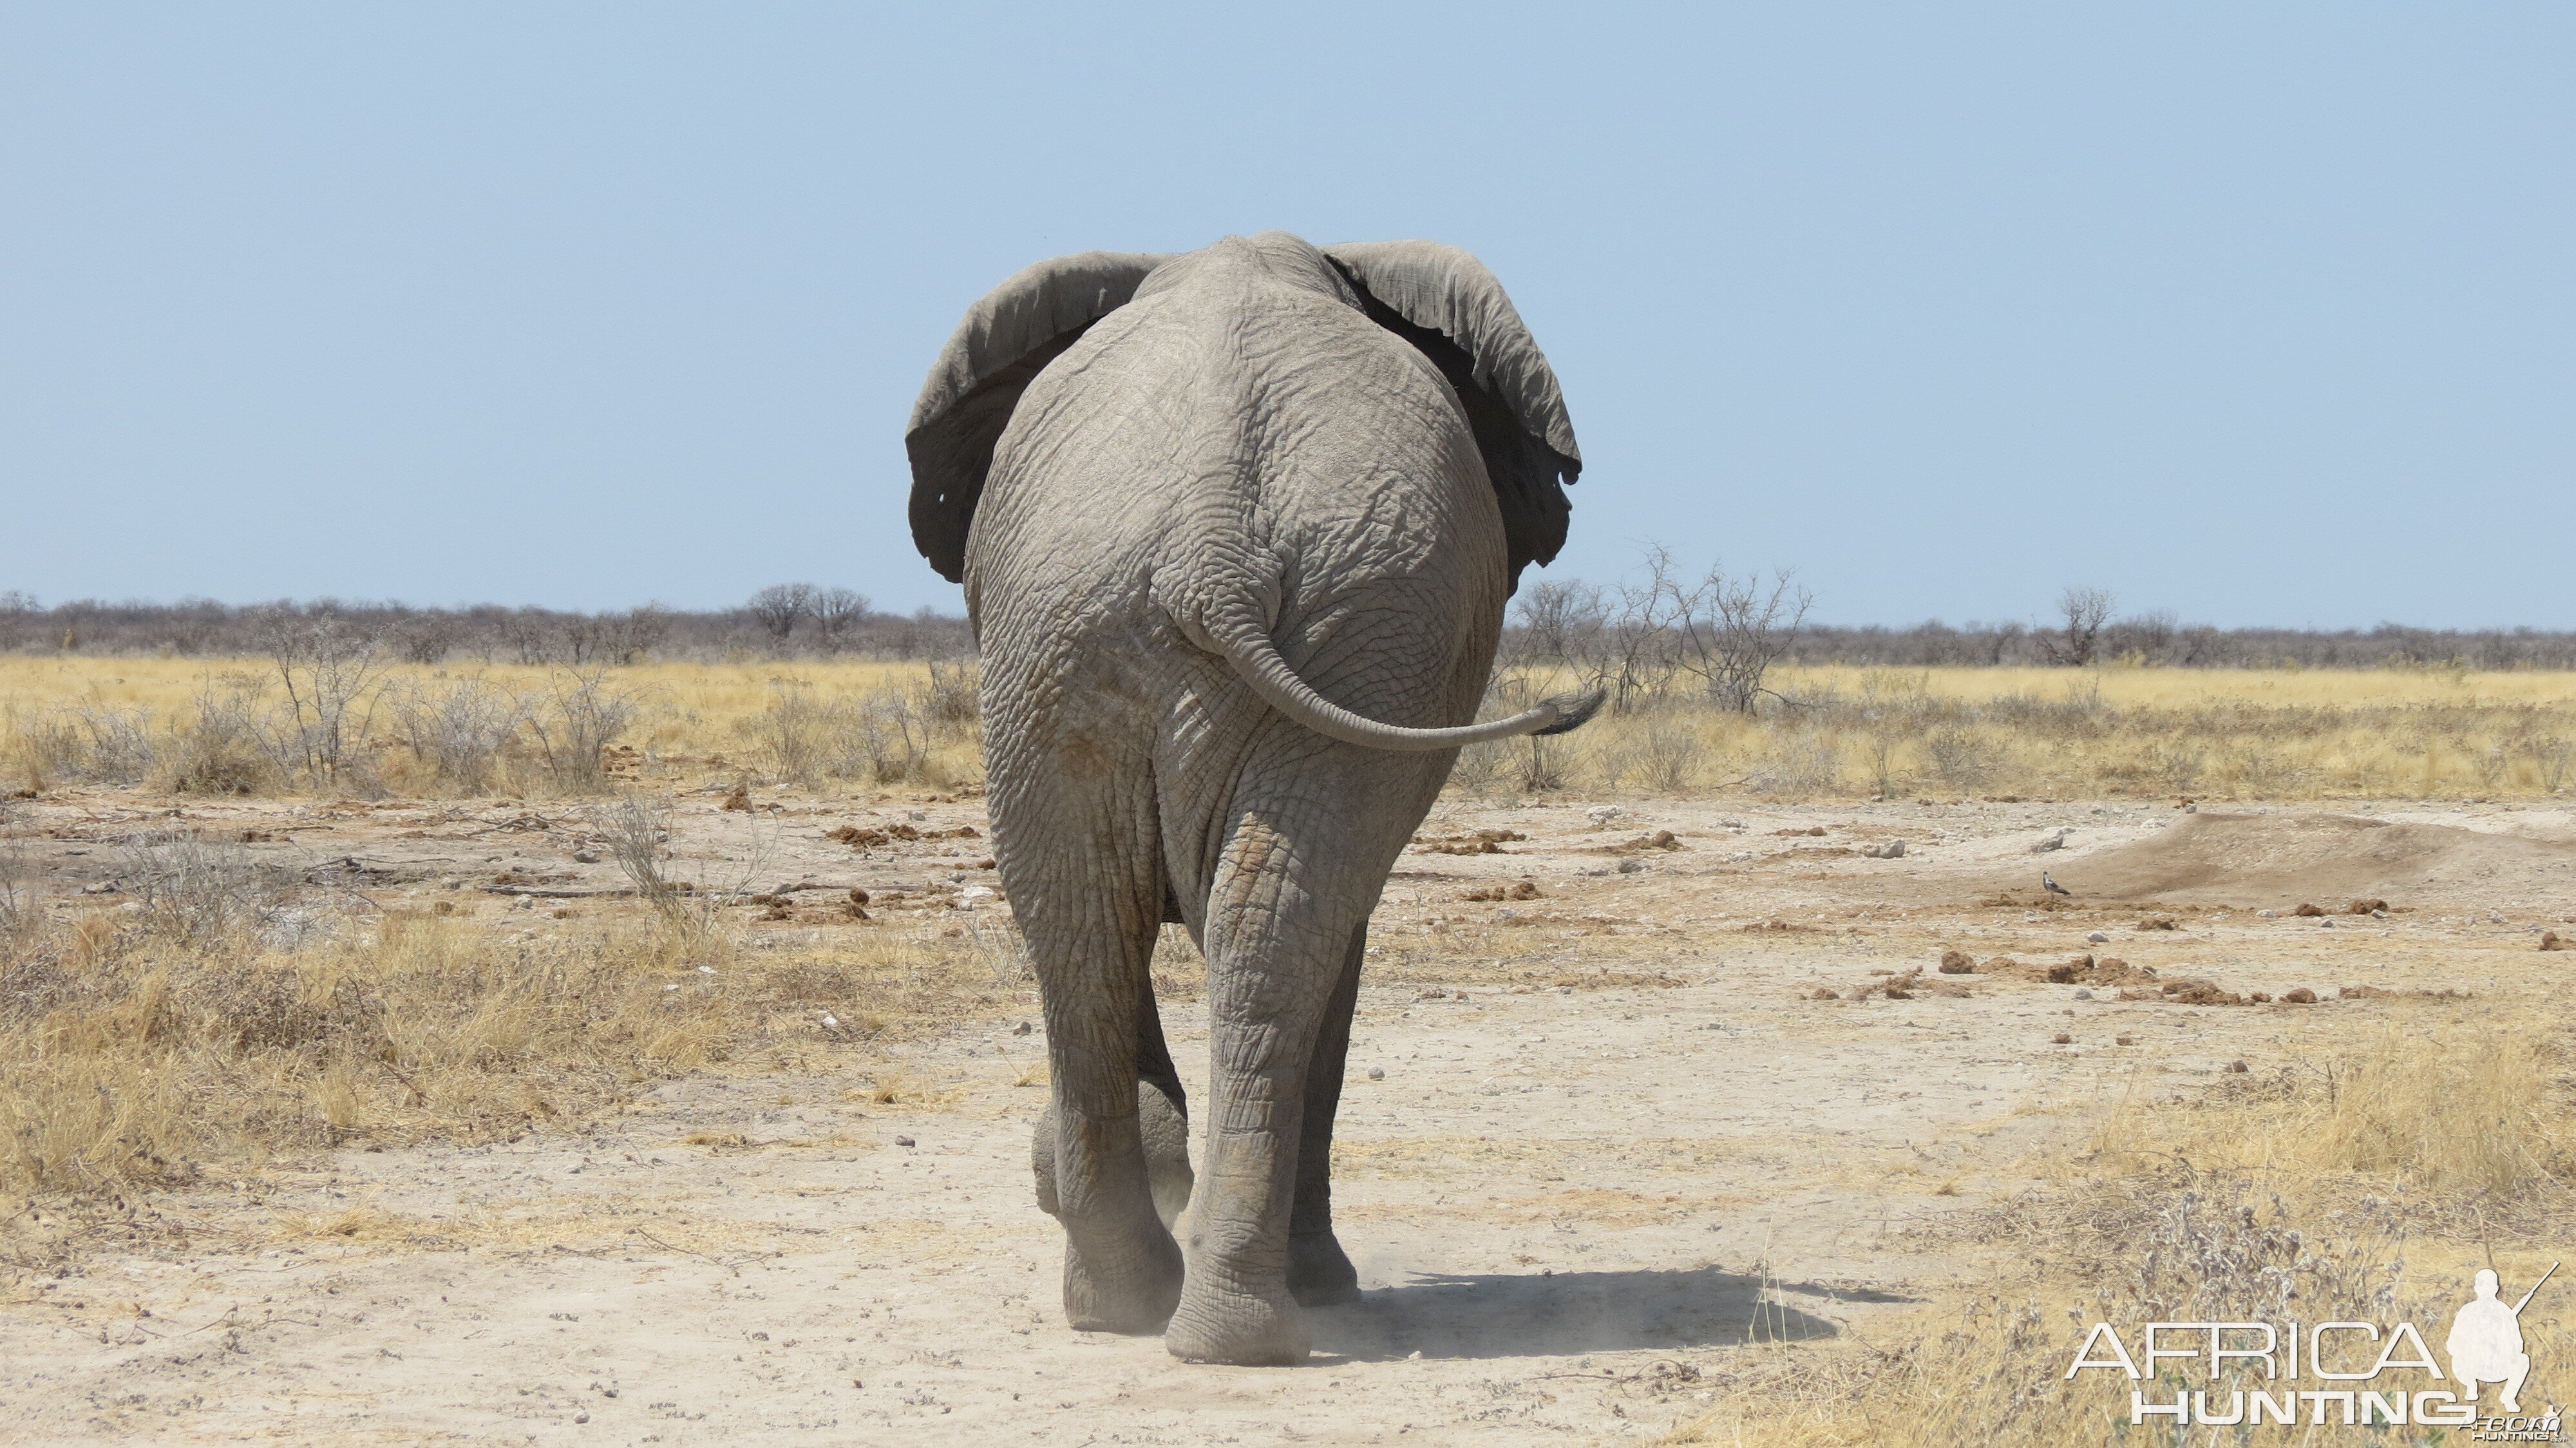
<point>2262,313</point>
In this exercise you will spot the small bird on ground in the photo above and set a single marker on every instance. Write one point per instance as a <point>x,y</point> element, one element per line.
<point>2051,886</point>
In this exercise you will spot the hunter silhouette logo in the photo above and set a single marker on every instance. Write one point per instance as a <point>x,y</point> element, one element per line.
<point>2361,1368</point>
<point>2485,1344</point>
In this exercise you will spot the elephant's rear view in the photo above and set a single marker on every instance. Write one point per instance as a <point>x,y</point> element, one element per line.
<point>1236,528</point>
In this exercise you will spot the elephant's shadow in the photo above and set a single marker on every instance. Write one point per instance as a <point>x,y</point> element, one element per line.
<point>1565,1314</point>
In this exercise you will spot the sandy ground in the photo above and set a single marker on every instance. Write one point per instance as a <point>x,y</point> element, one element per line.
<point>1617,1138</point>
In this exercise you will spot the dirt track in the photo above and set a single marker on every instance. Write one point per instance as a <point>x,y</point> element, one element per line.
<point>1634,1142</point>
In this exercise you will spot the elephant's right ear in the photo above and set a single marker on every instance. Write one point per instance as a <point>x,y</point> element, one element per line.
<point>1449,307</point>
<point>1007,338</point>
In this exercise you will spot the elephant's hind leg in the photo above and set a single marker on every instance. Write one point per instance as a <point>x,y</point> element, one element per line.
<point>1162,1118</point>
<point>1319,1271</point>
<point>1162,1114</point>
<point>1306,847</point>
<point>1082,868</point>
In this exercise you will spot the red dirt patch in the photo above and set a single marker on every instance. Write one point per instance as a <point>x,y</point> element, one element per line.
<point>2315,856</point>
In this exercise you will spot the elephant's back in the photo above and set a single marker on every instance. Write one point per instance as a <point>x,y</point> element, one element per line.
<point>1262,431</point>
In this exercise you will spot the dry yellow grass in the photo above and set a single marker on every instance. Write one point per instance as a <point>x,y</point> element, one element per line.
<point>702,702</point>
<point>2461,1116</point>
<point>1989,1371</point>
<point>2286,733</point>
<point>2161,688</point>
<point>129,1057</point>
<point>2272,734</point>
<point>2367,1185</point>
<point>63,717</point>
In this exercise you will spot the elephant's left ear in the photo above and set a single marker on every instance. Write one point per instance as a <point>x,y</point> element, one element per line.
<point>1446,304</point>
<point>1007,338</point>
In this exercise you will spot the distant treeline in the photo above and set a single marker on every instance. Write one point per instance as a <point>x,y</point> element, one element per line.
<point>2201,646</point>
<point>800,620</point>
<point>791,620</point>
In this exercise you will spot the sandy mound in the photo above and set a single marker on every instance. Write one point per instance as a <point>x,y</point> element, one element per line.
<point>2266,860</point>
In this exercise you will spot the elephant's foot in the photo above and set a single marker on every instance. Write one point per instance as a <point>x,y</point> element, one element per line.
<point>1319,1272</point>
<point>1166,1132</point>
<point>1042,1162</point>
<point>1238,1328</point>
<point>1132,1289</point>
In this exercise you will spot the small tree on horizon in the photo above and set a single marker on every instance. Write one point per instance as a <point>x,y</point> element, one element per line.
<point>836,610</point>
<point>2081,614</point>
<point>781,606</point>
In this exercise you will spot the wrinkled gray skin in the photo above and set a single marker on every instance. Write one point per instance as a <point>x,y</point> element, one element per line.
<point>1237,565</point>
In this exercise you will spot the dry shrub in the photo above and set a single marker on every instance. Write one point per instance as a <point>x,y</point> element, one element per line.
<point>574,721</point>
<point>886,736</point>
<point>196,890</point>
<point>801,734</point>
<point>893,740</point>
<point>1960,757</point>
<point>131,1055</point>
<point>2299,1198</point>
<point>45,745</point>
<point>1990,1370</point>
<point>998,944</point>
<point>638,832</point>
<point>1669,756</point>
<point>637,829</point>
<point>1804,763</point>
<point>2475,1120</point>
<point>118,743</point>
<point>88,740</point>
<point>458,730</point>
<point>1480,766</point>
<point>1539,764</point>
<point>1846,730</point>
<point>223,747</point>
<point>1608,761</point>
<point>889,736</point>
<point>951,697</point>
<point>326,666</point>
<point>17,902</point>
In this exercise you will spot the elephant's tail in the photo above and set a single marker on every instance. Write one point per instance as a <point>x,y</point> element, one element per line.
<point>1258,660</point>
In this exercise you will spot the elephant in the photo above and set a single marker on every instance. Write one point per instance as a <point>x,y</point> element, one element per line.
<point>1237,528</point>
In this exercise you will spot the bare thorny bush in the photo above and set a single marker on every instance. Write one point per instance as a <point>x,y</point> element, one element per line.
<point>2082,613</point>
<point>325,665</point>
<point>462,732</point>
<point>2303,1197</point>
<point>1721,632</point>
<point>324,718</point>
<point>196,890</point>
<point>638,831</point>
<point>1887,732</point>
<point>884,737</point>
<point>1665,648</point>
<point>1690,667</point>
<point>575,720</point>
<point>197,1032</point>
<point>1990,1370</point>
<point>16,915</point>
